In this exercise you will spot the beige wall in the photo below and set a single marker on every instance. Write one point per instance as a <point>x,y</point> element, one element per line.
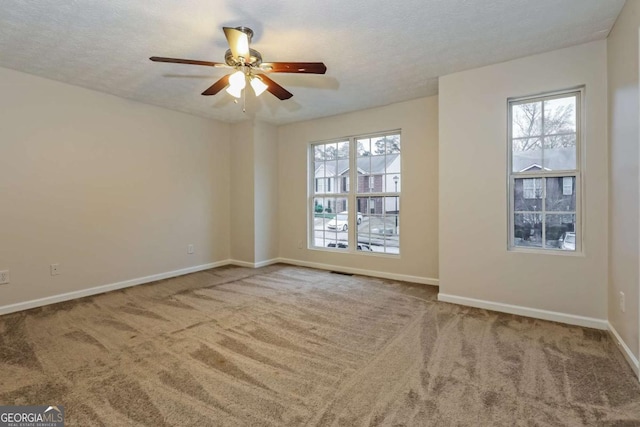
<point>254,192</point>
<point>110,189</point>
<point>474,261</point>
<point>418,120</point>
<point>266,191</point>
<point>624,138</point>
<point>242,190</point>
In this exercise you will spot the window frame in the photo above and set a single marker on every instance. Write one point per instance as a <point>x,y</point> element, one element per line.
<point>577,173</point>
<point>351,194</point>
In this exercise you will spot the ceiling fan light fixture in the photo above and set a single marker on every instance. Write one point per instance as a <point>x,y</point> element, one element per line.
<point>237,82</point>
<point>258,85</point>
<point>234,91</point>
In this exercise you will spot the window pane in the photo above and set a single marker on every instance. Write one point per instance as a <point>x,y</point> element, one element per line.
<point>392,244</point>
<point>339,219</point>
<point>343,150</point>
<point>378,145</point>
<point>363,147</point>
<point>561,194</point>
<point>318,152</point>
<point>568,186</point>
<point>343,182</point>
<point>374,205</point>
<point>334,241</point>
<point>528,230</point>
<point>363,206</point>
<point>560,231</point>
<point>379,228</point>
<point>318,207</point>
<point>560,115</point>
<point>528,194</point>
<point>392,165</point>
<point>526,120</point>
<point>392,183</point>
<point>527,155</point>
<point>366,183</point>
<point>336,225</point>
<point>330,151</point>
<point>393,144</point>
<point>560,152</point>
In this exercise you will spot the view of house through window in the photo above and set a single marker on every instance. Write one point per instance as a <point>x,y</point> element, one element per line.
<point>373,164</point>
<point>544,171</point>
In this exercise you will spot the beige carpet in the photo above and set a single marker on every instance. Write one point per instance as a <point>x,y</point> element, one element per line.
<point>289,346</point>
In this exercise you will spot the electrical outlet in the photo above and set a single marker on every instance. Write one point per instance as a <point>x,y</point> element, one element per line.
<point>55,269</point>
<point>622,302</point>
<point>4,277</point>
<point>190,249</point>
<point>300,243</point>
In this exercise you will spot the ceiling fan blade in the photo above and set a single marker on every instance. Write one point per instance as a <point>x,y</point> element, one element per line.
<point>217,86</point>
<point>187,61</point>
<point>238,43</point>
<point>275,88</point>
<point>294,67</point>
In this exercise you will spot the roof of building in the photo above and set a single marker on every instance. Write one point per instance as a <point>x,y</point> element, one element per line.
<point>370,165</point>
<point>554,159</point>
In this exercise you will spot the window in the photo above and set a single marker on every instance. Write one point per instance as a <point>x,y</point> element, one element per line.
<point>544,171</point>
<point>373,225</point>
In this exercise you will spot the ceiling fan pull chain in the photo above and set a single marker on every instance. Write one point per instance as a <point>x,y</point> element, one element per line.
<point>244,92</point>
<point>244,101</point>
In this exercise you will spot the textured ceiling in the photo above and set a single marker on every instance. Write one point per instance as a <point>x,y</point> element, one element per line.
<point>377,51</point>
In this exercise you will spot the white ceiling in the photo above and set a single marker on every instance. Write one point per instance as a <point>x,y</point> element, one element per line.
<point>377,51</point>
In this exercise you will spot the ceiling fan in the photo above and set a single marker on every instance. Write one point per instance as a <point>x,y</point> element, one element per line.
<point>249,67</point>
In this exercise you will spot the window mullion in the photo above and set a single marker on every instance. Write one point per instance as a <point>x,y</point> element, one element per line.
<point>353,188</point>
<point>544,213</point>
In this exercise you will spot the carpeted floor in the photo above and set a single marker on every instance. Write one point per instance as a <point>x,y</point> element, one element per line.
<point>290,346</point>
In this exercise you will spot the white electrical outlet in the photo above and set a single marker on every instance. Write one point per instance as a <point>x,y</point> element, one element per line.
<point>4,277</point>
<point>300,243</point>
<point>622,302</point>
<point>190,249</point>
<point>55,269</point>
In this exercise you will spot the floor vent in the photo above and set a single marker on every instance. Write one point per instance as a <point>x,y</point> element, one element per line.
<point>340,272</point>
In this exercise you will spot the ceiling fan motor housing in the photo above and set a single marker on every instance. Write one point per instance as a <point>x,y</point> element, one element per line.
<point>254,61</point>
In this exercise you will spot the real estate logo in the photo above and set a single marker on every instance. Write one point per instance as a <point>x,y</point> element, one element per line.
<point>31,416</point>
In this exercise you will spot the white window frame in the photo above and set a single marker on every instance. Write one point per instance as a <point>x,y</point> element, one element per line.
<point>351,195</point>
<point>544,173</point>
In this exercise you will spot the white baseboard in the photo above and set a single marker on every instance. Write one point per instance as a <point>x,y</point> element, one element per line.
<point>241,263</point>
<point>362,272</point>
<point>625,350</point>
<point>266,262</point>
<point>26,305</point>
<point>254,264</point>
<point>570,319</point>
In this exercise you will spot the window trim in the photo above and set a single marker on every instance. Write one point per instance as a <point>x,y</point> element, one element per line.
<point>351,195</point>
<point>577,173</point>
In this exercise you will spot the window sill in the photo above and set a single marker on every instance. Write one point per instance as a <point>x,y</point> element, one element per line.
<point>358,253</point>
<point>552,252</point>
